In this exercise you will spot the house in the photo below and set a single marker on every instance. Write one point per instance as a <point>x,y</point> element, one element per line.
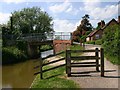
<point>97,34</point>
<point>94,35</point>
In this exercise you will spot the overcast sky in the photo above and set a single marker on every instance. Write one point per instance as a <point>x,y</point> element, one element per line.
<point>66,14</point>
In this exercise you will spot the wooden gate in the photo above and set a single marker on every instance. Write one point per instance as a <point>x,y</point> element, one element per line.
<point>96,64</point>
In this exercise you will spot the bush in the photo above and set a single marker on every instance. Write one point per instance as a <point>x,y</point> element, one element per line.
<point>98,42</point>
<point>12,55</point>
<point>22,45</point>
<point>45,48</point>
<point>90,42</point>
<point>111,43</point>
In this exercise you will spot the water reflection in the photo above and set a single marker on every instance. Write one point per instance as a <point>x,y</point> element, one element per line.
<point>20,75</point>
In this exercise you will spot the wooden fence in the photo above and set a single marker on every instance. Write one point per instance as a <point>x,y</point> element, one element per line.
<point>70,64</point>
<point>96,64</point>
<point>44,64</point>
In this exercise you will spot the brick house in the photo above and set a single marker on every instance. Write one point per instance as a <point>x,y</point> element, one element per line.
<point>94,35</point>
<point>97,34</point>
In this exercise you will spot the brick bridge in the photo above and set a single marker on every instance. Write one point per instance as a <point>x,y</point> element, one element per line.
<point>59,40</point>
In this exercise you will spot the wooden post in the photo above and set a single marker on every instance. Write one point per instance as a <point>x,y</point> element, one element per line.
<point>54,52</point>
<point>97,60</point>
<point>66,57</point>
<point>102,62</point>
<point>41,74</point>
<point>68,63</point>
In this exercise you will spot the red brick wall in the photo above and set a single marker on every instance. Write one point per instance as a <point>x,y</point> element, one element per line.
<point>61,45</point>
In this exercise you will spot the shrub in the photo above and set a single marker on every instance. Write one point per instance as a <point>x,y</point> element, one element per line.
<point>12,55</point>
<point>111,43</point>
<point>22,45</point>
<point>90,42</point>
<point>98,42</point>
<point>45,48</point>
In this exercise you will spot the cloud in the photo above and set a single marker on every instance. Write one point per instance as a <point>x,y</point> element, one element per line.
<point>19,1</point>
<point>66,7</point>
<point>13,1</point>
<point>57,8</point>
<point>97,12</point>
<point>63,26</point>
<point>4,17</point>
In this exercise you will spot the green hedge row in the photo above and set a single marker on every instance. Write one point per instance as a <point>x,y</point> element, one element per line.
<point>96,42</point>
<point>111,43</point>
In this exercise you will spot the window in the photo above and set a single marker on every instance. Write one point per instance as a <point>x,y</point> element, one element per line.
<point>97,36</point>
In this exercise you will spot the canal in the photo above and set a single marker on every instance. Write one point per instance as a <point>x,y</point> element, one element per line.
<point>20,75</point>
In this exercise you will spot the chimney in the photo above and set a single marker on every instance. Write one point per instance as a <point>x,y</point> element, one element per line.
<point>102,23</point>
<point>118,19</point>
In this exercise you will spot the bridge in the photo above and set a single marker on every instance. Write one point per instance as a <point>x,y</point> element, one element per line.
<point>59,40</point>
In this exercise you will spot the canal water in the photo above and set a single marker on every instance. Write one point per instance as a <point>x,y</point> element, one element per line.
<point>20,75</point>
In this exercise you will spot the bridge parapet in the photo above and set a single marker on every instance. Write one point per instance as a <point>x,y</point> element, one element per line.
<point>45,36</point>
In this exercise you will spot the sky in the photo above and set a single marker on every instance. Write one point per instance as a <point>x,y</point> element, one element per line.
<point>66,14</point>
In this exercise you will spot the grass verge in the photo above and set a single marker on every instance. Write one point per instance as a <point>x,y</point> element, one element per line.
<point>112,59</point>
<point>74,47</point>
<point>54,79</point>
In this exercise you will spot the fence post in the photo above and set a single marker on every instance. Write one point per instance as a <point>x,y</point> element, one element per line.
<point>41,74</point>
<point>68,63</point>
<point>97,60</point>
<point>66,57</point>
<point>54,52</point>
<point>102,62</point>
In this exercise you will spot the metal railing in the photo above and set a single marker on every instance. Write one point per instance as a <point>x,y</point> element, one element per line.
<point>41,36</point>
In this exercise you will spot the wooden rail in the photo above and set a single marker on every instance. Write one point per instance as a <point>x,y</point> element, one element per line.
<point>70,64</point>
<point>44,64</point>
<point>96,64</point>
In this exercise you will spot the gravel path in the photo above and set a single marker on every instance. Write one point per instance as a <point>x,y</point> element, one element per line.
<point>92,79</point>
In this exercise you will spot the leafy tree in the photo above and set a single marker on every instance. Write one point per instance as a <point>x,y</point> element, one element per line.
<point>82,30</point>
<point>31,20</point>
<point>85,25</point>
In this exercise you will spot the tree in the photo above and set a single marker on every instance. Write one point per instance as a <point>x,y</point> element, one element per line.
<point>31,20</point>
<point>85,25</point>
<point>82,30</point>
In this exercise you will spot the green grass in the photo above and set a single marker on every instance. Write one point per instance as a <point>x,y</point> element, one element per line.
<point>74,47</point>
<point>112,59</point>
<point>54,79</point>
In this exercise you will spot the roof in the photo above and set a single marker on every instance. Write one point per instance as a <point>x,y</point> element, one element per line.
<point>93,32</point>
<point>113,20</point>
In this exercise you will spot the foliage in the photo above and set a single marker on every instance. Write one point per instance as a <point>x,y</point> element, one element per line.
<point>82,30</point>
<point>22,45</point>
<point>12,55</point>
<point>111,42</point>
<point>90,42</point>
<point>54,79</point>
<point>30,20</point>
<point>85,25</point>
<point>98,42</point>
<point>45,48</point>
